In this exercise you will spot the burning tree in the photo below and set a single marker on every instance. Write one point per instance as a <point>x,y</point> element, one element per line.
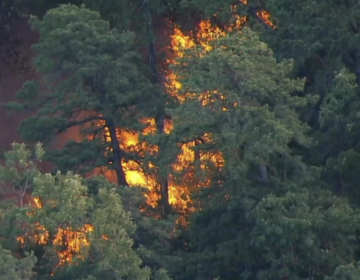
<point>263,212</point>
<point>71,232</point>
<point>98,92</point>
<point>93,82</point>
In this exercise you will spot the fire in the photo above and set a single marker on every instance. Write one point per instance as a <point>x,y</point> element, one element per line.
<point>71,243</point>
<point>264,15</point>
<point>37,202</point>
<point>68,243</point>
<point>179,190</point>
<point>180,42</point>
<point>41,235</point>
<point>135,175</point>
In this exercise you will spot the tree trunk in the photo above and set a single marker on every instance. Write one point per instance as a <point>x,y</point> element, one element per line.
<point>263,172</point>
<point>117,154</point>
<point>164,184</point>
<point>115,145</point>
<point>164,201</point>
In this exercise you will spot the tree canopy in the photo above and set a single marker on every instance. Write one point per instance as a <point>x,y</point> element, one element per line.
<point>226,133</point>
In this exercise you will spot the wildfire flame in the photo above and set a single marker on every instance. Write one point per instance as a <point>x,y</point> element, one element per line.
<point>69,243</point>
<point>179,193</point>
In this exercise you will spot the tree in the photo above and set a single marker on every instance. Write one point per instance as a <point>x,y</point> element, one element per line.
<point>75,235</point>
<point>68,209</point>
<point>246,104</point>
<point>147,20</point>
<point>227,11</point>
<point>92,80</point>
<point>323,38</point>
<point>16,176</point>
<point>346,272</point>
<point>12,268</point>
<point>264,215</point>
<point>328,56</point>
<point>339,133</point>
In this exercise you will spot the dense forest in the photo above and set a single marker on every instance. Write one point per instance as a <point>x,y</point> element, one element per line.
<point>182,139</point>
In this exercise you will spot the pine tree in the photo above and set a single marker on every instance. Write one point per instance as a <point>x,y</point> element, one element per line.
<point>262,217</point>
<point>12,268</point>
<point>92,80</point>
<point>144,18</point>
<point>240,97</point>
<point>339,133</point>
<point>323,38</point>
<point>74,235</point>
<point>346,272</point>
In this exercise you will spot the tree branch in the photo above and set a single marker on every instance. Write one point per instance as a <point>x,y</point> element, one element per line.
<point>90,119</point>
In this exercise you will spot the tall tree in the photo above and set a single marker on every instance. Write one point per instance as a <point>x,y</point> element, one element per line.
<point>339,132</point>
<point>92,80</point>
<point>242,92</point>
<point>323,38</point>
<point>145,18</point>
<point>262,217</point>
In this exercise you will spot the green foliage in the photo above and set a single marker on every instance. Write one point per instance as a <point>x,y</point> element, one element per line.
<point>225,12</point>
<point>346,272</point>
<point>12,268</point>
<point>267,213</point>
<point>302,232</point>
<point>312,28</point>
<point>66,205</point>
<point>339,117</point>
<point>323,39</point>
<point>251,113</point>
<point>20,170</point>
<point>253,225</point>
<point>92,81</point>
<point>151,233</point>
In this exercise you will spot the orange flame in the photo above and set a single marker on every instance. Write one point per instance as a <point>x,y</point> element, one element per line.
<point>179,191</point>
<point>264,15</point>
<point>69,243</point>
